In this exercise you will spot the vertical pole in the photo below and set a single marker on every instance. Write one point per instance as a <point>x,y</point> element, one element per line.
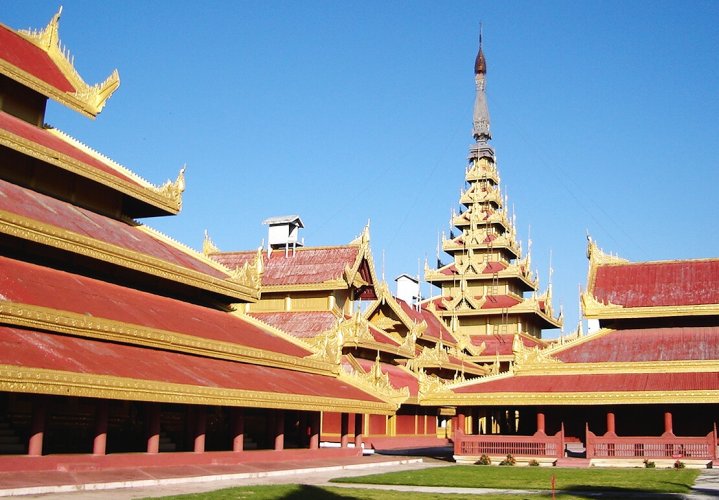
<point>200,430</point>
<point>344,429</point>
<point>238,430</point>
<point>668,428</point>
<point>99,444</point>
<point>153,428</point>
<point>315,430</point>
<point>611,429</point>
<point>37,431</point>
<point>279,430</point>
<point>358,430</point>
<point>540,423</point>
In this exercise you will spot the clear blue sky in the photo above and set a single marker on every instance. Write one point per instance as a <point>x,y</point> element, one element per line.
<point>605,118</point>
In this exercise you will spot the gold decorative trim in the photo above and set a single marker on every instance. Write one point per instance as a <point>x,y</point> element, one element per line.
<point>142,192</point>
<point>571,398</point>
<point>46,234</point>
<point>81,325</point>
<point>63,383</point>
<point>88,100</point>
<point>376,382</point>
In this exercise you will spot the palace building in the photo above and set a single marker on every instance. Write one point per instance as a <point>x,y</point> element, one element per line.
<point>121,347</point>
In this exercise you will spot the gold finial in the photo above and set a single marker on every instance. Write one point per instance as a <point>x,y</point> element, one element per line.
<point>208,246</point>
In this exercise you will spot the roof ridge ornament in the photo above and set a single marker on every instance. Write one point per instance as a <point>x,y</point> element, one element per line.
<point>481,131</point>
<point>88,99</point>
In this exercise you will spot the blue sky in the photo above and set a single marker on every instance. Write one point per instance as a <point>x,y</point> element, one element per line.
<point>604,117</point>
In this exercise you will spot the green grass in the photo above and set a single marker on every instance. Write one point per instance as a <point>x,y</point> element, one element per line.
<point>539,478</point>
<point>298,492</point>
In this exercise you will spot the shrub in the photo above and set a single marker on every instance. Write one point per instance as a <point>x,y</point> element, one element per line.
<point>679,464</point>
<point>510,460</point>
<point>484,460</point>
<point>533,463</point>
<point>649,465</point>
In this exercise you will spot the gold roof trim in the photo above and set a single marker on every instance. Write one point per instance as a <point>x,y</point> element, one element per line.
<point>87,99</point>
<point>142,191</point>
<point>46,234</point>
<point>81,325</point>
<point>376,382</point>
<point>64,383</point>
<point>570,398</point>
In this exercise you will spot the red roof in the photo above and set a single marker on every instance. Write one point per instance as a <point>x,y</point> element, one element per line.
<point>31,59</point>
<point>502,343</point>
<point>596,383</point>
<point>312,265</point>
<point>435,328</point>
<point>30,284</point>
<point>32,349</point>
<point>648,284</point>
<point>57,145</point>
<point>398,377</point>
<point>48,210</point>
<point>494,267</point>
<point>492,302</point>
<point>301,324</point>
<point>647,344</point>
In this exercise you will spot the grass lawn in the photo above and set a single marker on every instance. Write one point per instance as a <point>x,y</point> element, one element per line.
<point>299,492</point>
<point>539,478</point>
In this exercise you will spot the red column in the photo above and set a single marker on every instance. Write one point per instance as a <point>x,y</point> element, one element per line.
<point>238,430</point>
<point>460,421</point>
<point>611,429</point>
<point>37,431</point>
<point>359,424</point>
<point>153,428</point>
<point>99,444</point>
<point>315,431</point>
<point>344,430</point>
<point>668,430</point>
<point>540,422</point>
<point>280,430</point>
<point>200,430</point>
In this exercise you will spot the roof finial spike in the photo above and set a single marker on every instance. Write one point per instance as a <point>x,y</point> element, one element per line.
<point>481,131</point>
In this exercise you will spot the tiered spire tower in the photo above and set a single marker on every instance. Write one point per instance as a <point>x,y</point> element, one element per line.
<point>483,289</point>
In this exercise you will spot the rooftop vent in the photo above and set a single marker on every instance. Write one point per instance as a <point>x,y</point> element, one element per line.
<point>284,233</point>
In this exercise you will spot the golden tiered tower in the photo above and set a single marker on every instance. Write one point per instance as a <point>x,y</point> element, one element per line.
<point>483,289</point>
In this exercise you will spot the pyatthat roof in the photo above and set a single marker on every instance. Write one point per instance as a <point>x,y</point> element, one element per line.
<point>44,363</point>
<point>33,216</point>
<point>60,150</point>
<point>312,268</point>
<point>620,289</point>
<point>36,60</point>
<point>36,296</point>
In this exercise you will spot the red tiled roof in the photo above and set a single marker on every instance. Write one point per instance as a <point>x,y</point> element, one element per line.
<point>494,267</point>
<point>435,328</point>
<point>501,343</point>
<point>28,57</point>
<point>500,301</point>
<point>48,210</point>
<point>301,324</point>
<point>305,266</point>
<point>25,283</point>
<point>596,383</point>
<point>56,145</point>
<point>398,377</point>
<point>32,349</point>
<point>381,337</point>
<point>648,344</point>
<point>647,284</point>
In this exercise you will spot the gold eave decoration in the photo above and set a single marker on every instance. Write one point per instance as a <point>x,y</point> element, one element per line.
<point>87,99</point>
<point>46,234</point>
<point>167,197</point>
<point>65,383</point>
<point>570,398</point>
<point>81,325</point>
<point>594,309</point>
<point>376,382</point>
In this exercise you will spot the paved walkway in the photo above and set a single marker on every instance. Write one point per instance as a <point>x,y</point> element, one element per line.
<point>163,481</point>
